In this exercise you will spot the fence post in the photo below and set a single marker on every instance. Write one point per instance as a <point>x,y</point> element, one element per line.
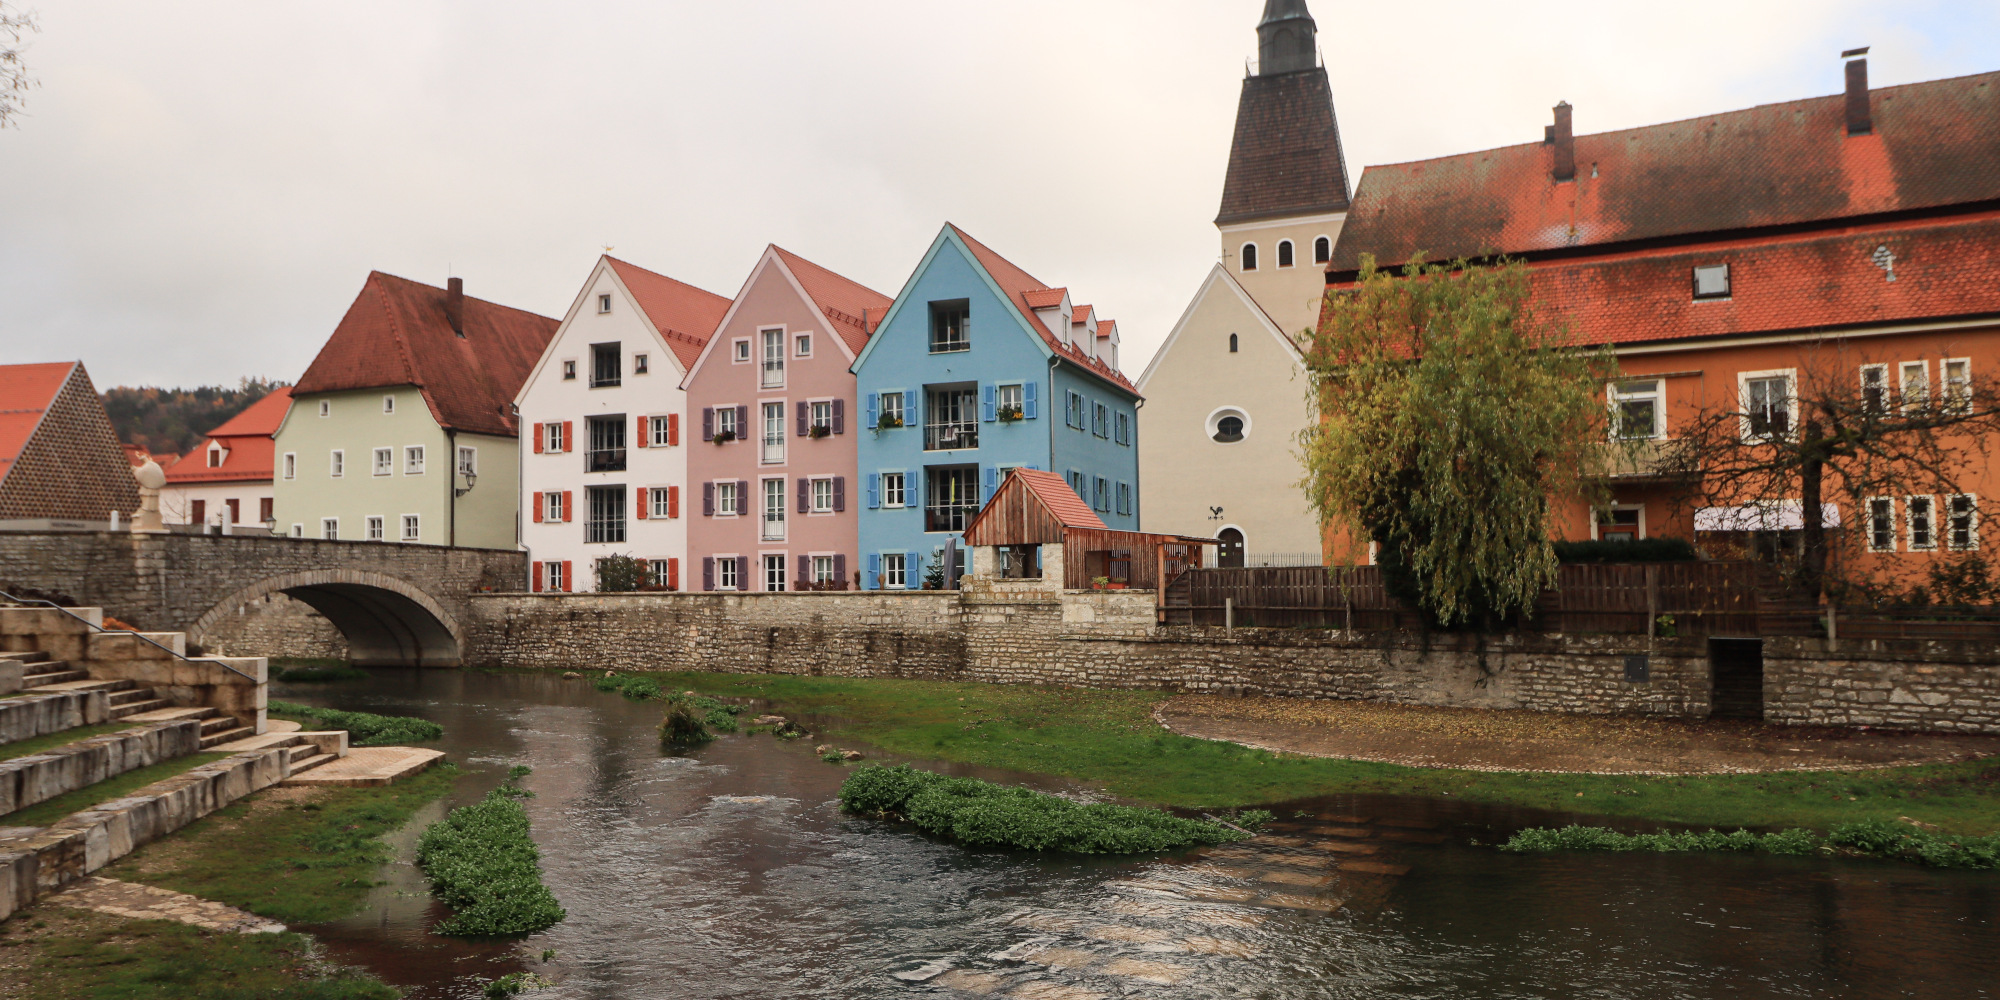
<point>1652,599</point>
<point>1228,615</point>
<point>1832,629</point>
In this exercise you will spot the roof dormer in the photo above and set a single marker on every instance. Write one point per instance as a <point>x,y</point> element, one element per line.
<point>1052,307</point>
<point>1107,342</point>
<point>217,454</point>
<point>1082,327</point>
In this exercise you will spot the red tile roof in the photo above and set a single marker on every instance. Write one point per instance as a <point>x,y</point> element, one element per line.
<point>843,301</point>
<point>1933,144</point>
<point>26,391</point>
<point>686,316</point>
<point>1063,503</point>
<point>1023,290</point>
<point>396,333</point>
<point>246,437</point>
<point>1105,326</point>
<point>1043,298</point>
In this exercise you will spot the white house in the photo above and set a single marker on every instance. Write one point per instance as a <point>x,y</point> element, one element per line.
<point>604,429</point>
<point>226,482</point>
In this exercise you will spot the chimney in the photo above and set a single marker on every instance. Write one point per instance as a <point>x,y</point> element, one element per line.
<point>454,305</point>
<point>1858,121</point>
<point>1565,143</point>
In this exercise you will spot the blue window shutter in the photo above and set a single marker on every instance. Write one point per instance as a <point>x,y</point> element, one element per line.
<point>986,408</point>
<point>1028,406</point>
<point>874,490</point>
<point>913,572</point>
<point>874,568</point>
<point>874,410</point>
<point>991,477</point>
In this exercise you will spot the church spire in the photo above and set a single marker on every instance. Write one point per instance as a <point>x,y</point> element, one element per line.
<point>1286,38</point>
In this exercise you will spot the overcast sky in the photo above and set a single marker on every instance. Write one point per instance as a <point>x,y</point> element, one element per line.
<point>201,186</point>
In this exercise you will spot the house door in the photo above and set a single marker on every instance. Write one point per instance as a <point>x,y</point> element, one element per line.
<point>1229,549</point>
<point>1736,669</point>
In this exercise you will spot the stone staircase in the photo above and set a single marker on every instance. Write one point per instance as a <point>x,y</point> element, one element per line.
<point>128,701</point>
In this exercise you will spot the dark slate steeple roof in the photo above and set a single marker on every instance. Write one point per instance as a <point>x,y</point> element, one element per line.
<point>1286,157</point>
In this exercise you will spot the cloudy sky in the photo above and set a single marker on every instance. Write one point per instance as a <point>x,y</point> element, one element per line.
<point>201,186</point>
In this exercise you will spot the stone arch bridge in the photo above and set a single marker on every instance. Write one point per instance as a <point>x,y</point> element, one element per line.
<point>395,605</point>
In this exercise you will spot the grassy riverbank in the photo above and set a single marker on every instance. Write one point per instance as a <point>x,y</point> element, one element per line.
<point>1110,737</point>
<point>117,787</point>
<point>63,954</point>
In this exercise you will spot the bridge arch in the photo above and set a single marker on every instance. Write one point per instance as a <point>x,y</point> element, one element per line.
<point>387,621</point>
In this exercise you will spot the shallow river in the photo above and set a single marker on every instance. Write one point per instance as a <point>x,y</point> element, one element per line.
<point>728,872</point>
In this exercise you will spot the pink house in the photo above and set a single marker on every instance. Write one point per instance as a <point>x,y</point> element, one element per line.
<point>771,471</point>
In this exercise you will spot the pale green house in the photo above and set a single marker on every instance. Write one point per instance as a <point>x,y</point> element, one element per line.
<point>402,429</point>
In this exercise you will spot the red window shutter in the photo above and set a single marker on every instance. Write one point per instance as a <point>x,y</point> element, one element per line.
<point>673,574</point>
<point>538,444</point>
<point>645,432</point>
<point>535,577</point>
<point>569,437</point>
<point>569,582</point>
<point>642,501</point>
<point>673,501</point>
<point>643,578</point>
<point>674,429</point>
<point>569,512</point>
<point>538,504</point>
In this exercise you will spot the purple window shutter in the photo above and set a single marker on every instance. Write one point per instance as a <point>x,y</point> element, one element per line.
<point>708,572</point>
<point>708,499</point>
<point>840,416</point>
<point>839,494</point>
<point>805,414</point>
<point>805,573</point>
<point>805,494</point>
<point>708,423</point>
<point>742,572</point>
<point>840,567</point>
<point>743,423</point>
<point>743,505</point>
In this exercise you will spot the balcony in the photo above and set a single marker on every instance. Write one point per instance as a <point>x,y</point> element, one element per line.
<point>951,435</point>
<point>604,460</point>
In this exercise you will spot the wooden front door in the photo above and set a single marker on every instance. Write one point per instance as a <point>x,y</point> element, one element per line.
<point>1229,549</point>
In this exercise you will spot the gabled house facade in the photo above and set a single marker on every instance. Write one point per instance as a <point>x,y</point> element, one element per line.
<point>771,471</point>
<point>402,429</point>
<point>979,368</point>
<point>227,481</point>
<point>604,424</point>
<point>59,457</point>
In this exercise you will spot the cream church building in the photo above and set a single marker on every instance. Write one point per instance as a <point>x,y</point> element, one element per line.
<point>1226,394</point>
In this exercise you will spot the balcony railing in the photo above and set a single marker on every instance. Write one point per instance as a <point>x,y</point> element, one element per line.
<point>950,435</point>
<point>604,460</point>
<point>604,530</point>
<point>948,516</point>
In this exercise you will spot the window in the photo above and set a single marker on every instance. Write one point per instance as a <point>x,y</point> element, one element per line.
<point>1635,410</point>
<point>1922,537</point>
<point>1711,281</point>
<point>553,438</point>
<point>1322,250</point>
<point>822,570</point>
<point>951,497</point>
<point>1767,404</point>
<point>1881,524</point>
<point>1124,498</point>
<point>951,418</point>
<point>298,530</point>
<point>740,353</point>
<point>388,404</point>
<point>325,408</point>
<point>802,345</point>
<point>1284,253</point>
<point>1962,528</point>
<point>605,369</point>
<point>891,404</point>
<point>1620,524</point>
<point>1124,435</point>
<point>468,462</point>
<point>1100,499</point>
<point>895,571</point>
<point>605,506</point>
<point>291,465</point>
<point>1076,484</point>
<point>663,573</point>
<point>774,572</point>
<point>819,418</point>
<point>1957,378</point>
<point>1010,401</point>
<point>664,503</point>
<point>412,528</point>
<point>774,359</point>
<point>552,506</point>
<point>556,580</point>
<point>1249,256</point>
<point>374,523</point>
<point>1916,385</point>
<point>774,433</point>
<point>336,462</point>
<point>1874,388</point>
<point>569,371</point>
<point>385,461</point>
<point>1228,425</point>
<point>662,431</point>
<point>640,365</point>
<point>725,573</point>
<point>892,489</point>
<point>951,326</point>
<point>1232,343</point>
<point>413,460</point>
<point>215,458</point>
<point>329,528</point>
<point>265,511</point>
<point>725,423</point>
<point>726,500</point>
<point>1073,409</point>
<point>607,444</point>
<point>1100,420</point>
<point>822,496</point>
<point>604,303</point>
<point>774,510</point>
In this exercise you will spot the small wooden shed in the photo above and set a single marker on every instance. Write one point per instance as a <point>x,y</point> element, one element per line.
<point>1032,509</point>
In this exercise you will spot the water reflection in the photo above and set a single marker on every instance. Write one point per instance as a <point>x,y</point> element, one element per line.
<point>728,872</point>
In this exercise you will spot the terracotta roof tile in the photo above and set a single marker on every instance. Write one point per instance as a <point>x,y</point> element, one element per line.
<point>1285,158</point>
<point>250,452</point>
<point>1020,288</point>
<point>1042,298</point>
<point>686,316</point>
<point>26,391</point>
<point>396,333</point>
<point>844,302</point>
<point>1063,503</point>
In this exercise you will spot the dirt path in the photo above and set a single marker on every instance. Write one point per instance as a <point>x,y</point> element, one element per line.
<point>1493,740</point>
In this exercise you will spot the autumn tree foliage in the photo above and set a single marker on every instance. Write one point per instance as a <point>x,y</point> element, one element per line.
<point>171,421</point>
<point>1453,414</point>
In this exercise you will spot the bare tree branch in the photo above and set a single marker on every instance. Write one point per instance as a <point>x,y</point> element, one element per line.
<point>15,25</point>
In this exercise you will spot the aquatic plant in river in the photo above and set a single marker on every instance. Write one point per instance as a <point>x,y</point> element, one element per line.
<point>683,724</point>
<point>364,729</point>
<point>481,862</point>
<point>982,814</point>
<point>1877,838</point>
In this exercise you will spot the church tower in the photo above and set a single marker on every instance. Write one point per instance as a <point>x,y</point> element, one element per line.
<point>1285,195</point>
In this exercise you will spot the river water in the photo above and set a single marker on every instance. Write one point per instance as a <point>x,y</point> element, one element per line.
<point>729,872</point>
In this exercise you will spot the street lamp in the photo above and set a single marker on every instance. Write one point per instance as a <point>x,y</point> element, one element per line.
<point>471,477</point>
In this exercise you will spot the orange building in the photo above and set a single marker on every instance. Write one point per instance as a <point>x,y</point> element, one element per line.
<point>1729,258</point>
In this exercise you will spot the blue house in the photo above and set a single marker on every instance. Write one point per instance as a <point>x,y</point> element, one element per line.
<point>976,369</point>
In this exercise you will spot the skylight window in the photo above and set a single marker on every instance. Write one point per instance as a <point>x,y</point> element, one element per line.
<point>1711,281</point>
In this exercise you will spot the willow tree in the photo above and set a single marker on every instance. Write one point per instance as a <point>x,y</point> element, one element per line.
<point>1452,414</point>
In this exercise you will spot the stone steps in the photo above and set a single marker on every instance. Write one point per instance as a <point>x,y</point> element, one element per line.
<point>148,704</point>
<point>83,683</point>
<point>172,714</point>
<point>370,766</point>
<point>24,655</point>
<point>230,734</point>
<point>51,672</point>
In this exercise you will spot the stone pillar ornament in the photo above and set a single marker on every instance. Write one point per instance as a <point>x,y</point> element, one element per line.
<point>146,521</point>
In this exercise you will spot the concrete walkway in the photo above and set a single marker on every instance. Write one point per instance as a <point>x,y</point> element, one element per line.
<point>144,902</point>
<point>364,766</point>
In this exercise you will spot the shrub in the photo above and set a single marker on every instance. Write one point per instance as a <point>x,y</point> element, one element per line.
<point>683,723</point>
<point>618,574</point>
<point>705,710</point>
<point>481,862</point>
<point>982,814</point>
<point>365,729</point>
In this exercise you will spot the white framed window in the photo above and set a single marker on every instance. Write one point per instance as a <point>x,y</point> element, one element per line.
<point>553,570</point>
<point>727,503</point>
<point>1767,402</point>
<point>569,369</point>
<point>739,352</point>
<point>326,408</point>
<point>641,364</point>
<point>1956,376</point>
<point>1228,425</point>
<point>468,460</point>
<point>1073,408</point>
<point>1961,511</point>
<point>822,496</point>
<point>412,528</point>
<point>553,439</point>
<point>774,510</point>
<point>385,461</point>
<point>336,463</point>
<point>1875,388</point>
<point>892,489</point>
<point>1009,398</point>
<point>772,372</point>
<point>1711,281</point>
<point>552,506</point>
<point>892,410</point>
<point>374,524</point>
<point>1881,524</point>
<point>603,303</point>
<point>1284,253</point>
<point>774,434</point>
<point>660,431</point>
<point>1322,249</point>
<point>822,569</point>
<point>1124,498</point>
<point>1920,525</point>
<point>413,460</point>
<point>895,571</point>
<point>774,572</point>
<point>1621,523</point>
<point>1915,384</point>
<point>291,465</point>
<point>662,502</point>
<point>329,528</point>
<point>389,404</point>
<point>819,417</point>
<point>298,530</point>
<point>1635,410</point>
<point>1248,257</point>
<point>725,423</point>
<point>725,573</point>
<point>802,345</point>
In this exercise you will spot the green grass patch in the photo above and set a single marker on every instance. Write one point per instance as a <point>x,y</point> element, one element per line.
<point>1872,838</point>
<point>49,812</point>
<point>982,814</point>
<point>481,862</point>
<point>315,671</point>
<point>1110,737</point>
<point>50,741</point>
<point>364,729</point>
<point>301,860</point>
<point>715,715</point>
<point>73,953</point>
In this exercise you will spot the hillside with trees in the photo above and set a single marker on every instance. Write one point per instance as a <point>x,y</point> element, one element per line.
<point>175,420</point>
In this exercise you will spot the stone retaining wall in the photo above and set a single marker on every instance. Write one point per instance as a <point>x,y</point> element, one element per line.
<point>275,626</point>
<point>25,781</point>
<point>41,714</point>
<point>1894,683</point>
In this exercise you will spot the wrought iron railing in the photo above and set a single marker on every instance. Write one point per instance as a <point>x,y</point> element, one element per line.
<point>122,631</point>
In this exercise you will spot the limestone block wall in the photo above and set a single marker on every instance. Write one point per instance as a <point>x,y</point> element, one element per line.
<point>1895,683</point>
<point>25,781</point>
<point>41,714</point>
<point>275,626</point>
